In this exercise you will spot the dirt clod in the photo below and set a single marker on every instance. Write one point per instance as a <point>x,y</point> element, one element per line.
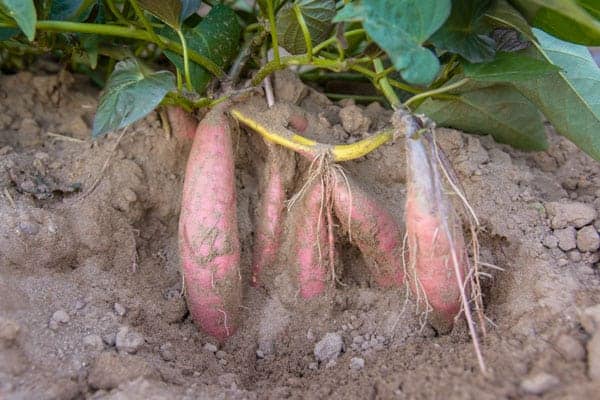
<point>572,213</point>
<point>566,238</point>
<point>110,370</point>
<point>539,383</point>
<point>588,239</point>
<point>593,357</point>
<point>128,340</point>
<point>329,347</point>
<point>570,348</point>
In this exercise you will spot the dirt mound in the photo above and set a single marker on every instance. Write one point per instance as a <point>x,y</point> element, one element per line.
<point>89,280</point>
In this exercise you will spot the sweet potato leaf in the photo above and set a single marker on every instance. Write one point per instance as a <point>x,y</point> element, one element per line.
<point>503,14</point>
<point>216,37</point>
<point>168,11</point>
<point>499,110</point>
<point>132,91</point>
<point>465,31</point>
<point>565,19</point>
<point>24,14</point>
<point>401,27</point>
<point>591,6</point>
<point>509,67</point>
<point>317,15</point>
<point>71,10</point>
<point>570,98</point>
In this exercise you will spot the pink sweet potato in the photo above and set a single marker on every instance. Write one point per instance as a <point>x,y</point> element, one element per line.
<point>437,254</point>
<point>372,228</point>
<point>183,124</point>
<point>276,177</point>
<point>309,253</point>
<point>208,231</point>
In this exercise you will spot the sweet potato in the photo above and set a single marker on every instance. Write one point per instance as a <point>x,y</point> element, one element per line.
<point>371,227</point>
<point>276,177</point>
<point>183,124</point>
<point>309,252</point>
<point>208,231</point>
<point>437,254</point>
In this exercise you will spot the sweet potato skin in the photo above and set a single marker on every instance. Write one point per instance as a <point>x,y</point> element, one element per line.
<point>183,124</point>
<point>428,213</point>
<point>309,250</point>
<point>208,231</point>
<point>372,228</point>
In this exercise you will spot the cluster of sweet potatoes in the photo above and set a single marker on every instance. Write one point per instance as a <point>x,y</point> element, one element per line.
<point>210,246</point>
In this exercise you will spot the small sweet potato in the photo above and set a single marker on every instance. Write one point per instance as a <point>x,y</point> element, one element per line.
<point>183,124</point>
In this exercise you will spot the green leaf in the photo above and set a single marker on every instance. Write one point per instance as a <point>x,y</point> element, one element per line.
<point>216,37</point>
<point>71,10</point>
<point>168,11</point>
<point>317,15</point>
<point>188,7</point>
<point>24,14</point>
<point>509,67</point>
<point>503,14</point>
<point>565,19</point>
<point>132,92</point>
<point>465,31</point>
<point>499,110</point>
<point>591,6</point>
<point>569,98</point>
<point>400,27</point>
<point>7,33</point>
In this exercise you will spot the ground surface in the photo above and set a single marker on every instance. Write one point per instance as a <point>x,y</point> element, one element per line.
<point>89,281</point>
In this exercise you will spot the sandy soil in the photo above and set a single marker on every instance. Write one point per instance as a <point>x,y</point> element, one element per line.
<point>90,303</point>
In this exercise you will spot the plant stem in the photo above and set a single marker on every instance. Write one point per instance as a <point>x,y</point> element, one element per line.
<point>334,39</point>
<point>434,92</point>
<point>186,61</point>
<point>140,14</point>
<point>116,12</point>
<point>273,66</point>
<point>122,31</point>
<point>305,32</point>
<point>384,84</point>
<point>273,29</point>
<point>363,98</point>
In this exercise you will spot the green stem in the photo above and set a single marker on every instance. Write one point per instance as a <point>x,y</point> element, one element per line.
<point>186,62</point>
<point>272,66</point>
<point>140,14</point>
<point>318,76</point>
<point>384,84</point>
<point>362,98</point>
<point>305,32</point>
<point>122,31</point>
<point>334,39</point>
<point>434,92</point>
<point>273,29</point>
<point>116,12</point>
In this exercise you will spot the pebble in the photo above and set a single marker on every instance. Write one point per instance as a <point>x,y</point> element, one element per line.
<point>128,340</point>
<point>313,366</point>
<point>211,348</point>
<point>550,241</point>
<point>220,354</point>
<point>574,256</point>
<point>539,383</point>
<point>166,351</point>
<point>353,119</point>
<point>61,317</point>
<point>572,213</point>
<point>93,342</point>
<point>357,363</point>
<point>358,339</point>
<point>328,348</point>
<point>9,331</point>
<point>260,354</point>
<point>588,239</point>
<point>79,304</point>
<point>119,309</point>
<point>590,319</point>
<point>110,338</point>
<point>570,348</point>
<point>566,238</point>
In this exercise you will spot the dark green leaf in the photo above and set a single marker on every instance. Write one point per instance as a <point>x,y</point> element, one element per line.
<point>24,14</point>
<point>168,11</point>
<point>216,37</point>
<point>132,91</point>
<point>505,15</point>
<point>564,19</point>
<point>317,15</point>
<point>188,7</point>
<point>569,98</point>
<point>7,33</point>
<point>262,5</point>
<point>401,27</point>
<point>509,67</point>
<point>591,6</point>
<point>498,110</point>
<point>465,31</point>
<point>71,10</point>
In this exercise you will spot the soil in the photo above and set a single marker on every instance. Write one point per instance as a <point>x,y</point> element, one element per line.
<point>90,303</point>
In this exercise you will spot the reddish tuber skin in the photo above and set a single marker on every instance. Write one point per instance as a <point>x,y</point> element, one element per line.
<point>430,252</point>
<point>278,173</point>
<point>309,235</point>
<point>208,231</point>
<point>183,124</point>
<point>373,229</point>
